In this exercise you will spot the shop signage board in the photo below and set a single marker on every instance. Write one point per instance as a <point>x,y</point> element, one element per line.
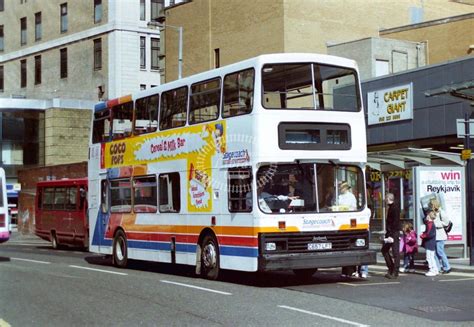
<point>390,105</point>
<point>447,185</point>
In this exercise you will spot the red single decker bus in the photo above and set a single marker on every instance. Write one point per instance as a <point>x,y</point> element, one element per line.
<point>61,212</point>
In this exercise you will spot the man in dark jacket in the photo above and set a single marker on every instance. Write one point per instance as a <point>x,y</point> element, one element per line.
<point>392,234</point>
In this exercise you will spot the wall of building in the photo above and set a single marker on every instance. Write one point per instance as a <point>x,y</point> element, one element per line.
<point>446,39</point>
<point>67,133</point>
<point>246,29</point>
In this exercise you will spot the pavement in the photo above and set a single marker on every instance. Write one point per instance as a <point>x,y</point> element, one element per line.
<point>455,253</point>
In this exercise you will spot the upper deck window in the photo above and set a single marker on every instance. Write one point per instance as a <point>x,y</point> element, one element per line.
<point>122,115</point>
<point>309,86</point>
<point>205,100</point>
<point>173,108</point>
<point>238,93</point>
<point>146,114</point>
<point>101,126</point>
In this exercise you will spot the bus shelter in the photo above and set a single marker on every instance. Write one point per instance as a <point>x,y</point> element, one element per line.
<point>415,176</point>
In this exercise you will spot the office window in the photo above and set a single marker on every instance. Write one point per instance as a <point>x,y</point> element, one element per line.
<point>97,11</point>
<point>1,79</point>
<point>38,29</point>
<point>37,70</point>
<point>23,73</point>
<point>63,62</point>
<point>156,7</point>
<point>2,5</point>
<point>142,9</point>
<point>1,38</point>
<point>23,31</point>
<point>217,58</point>
<point>97,54</point>
<point>63,12</point>
<point>155,52</point>
<point>142,52</point>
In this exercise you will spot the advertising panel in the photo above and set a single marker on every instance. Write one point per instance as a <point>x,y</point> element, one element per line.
<point>390,105</point>
<point>445,184</point>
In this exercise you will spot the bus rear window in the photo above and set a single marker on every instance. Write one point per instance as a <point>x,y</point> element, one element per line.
<point>309,86</point>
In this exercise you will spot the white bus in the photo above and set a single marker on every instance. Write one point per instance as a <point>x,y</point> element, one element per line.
<point>4,218</point>
<point>256,166</point>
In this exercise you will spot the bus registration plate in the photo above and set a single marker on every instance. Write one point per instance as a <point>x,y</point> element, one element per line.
<point>319,246</point>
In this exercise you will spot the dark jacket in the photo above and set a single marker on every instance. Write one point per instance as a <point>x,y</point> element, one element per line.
<point>429,236</point>
<point>392,225</point>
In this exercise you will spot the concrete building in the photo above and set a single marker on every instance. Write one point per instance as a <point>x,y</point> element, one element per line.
<point>217,33</point>
<point>78,49</point>
<point>377,56</point>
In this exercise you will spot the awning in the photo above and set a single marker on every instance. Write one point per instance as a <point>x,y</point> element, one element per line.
<point>411,157</point>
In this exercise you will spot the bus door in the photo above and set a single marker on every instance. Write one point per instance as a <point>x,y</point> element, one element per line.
<point>99,211</point>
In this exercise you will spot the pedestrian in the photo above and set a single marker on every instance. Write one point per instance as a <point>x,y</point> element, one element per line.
<point>409,247</point>
<point>392,235</point>
<point>440,222</point>
<point>428,238</point>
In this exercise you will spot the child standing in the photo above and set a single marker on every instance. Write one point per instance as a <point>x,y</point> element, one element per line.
<point>429,243</point>
<point>410,247</point>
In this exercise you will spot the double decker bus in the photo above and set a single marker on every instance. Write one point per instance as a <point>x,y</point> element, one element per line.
<point>61,212</point>
<point>255,166</point>
<point>4,218</point>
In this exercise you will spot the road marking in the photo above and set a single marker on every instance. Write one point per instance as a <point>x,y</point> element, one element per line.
<point>368,284</point>
<point>323,316</point>
<point>196,287</point>
<point>29,260</point>
<point>456,280</point>
<point>99,270</point>
<point>3,323</point>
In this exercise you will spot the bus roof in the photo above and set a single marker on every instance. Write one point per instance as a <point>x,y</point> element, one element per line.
<point>252,62</point>
<point>64,182</point>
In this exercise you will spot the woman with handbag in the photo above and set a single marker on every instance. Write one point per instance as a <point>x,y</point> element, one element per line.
<point>441,221</point>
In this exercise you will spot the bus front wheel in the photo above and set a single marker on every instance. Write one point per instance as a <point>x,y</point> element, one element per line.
<point>209,258</point>
<point>120,256</point>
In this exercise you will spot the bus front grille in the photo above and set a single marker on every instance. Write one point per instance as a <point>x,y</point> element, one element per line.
<point>299,242</point>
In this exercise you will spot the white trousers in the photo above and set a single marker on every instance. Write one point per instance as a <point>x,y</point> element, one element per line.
<point>431,258</point>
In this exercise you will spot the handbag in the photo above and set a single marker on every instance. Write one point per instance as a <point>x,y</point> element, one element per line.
<point>448,228</point>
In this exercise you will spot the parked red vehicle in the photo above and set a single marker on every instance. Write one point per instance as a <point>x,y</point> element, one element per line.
<point>61,212</point>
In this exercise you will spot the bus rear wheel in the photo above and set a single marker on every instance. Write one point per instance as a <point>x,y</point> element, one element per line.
<point>120,255</point>
<point>209,258</point>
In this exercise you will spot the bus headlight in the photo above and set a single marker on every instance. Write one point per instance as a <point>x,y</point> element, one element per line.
<point>360,242</point>
<point>270,246</point>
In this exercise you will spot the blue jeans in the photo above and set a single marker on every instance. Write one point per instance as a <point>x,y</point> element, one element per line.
<point>442,259</point>
<point>409,261</point>
<point>364,269</point>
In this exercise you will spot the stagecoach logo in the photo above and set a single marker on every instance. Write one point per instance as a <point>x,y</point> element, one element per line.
<point>235,157</point>
<point>319,238</point>
<point>318,223</point>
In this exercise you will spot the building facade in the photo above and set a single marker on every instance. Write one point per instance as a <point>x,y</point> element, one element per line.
<point>217,33</point>
<point>88,49</point>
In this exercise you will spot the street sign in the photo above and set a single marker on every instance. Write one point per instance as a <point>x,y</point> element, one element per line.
<point>466,154</point>
<point>461,128</point>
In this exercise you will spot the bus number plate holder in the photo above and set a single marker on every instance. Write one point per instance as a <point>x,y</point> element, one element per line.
<point>319,246</point>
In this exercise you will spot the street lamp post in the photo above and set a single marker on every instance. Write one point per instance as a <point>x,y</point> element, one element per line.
<point>180,42</point>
